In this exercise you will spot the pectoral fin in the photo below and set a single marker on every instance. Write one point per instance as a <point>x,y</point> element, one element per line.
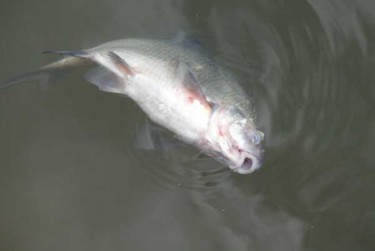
<point>193,89</point>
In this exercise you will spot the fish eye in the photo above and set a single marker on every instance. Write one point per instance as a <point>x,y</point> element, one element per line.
<point>256,137</point>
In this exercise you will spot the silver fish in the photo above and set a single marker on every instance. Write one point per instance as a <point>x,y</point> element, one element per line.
<point>181,88</point>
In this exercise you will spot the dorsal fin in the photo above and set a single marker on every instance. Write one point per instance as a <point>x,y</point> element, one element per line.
<point>189,41</point>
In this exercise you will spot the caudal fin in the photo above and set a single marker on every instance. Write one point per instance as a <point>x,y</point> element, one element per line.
<point>79,54</point>
<point>50,73</point>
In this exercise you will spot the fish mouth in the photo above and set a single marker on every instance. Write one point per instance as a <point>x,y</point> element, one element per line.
<point>248,165</point>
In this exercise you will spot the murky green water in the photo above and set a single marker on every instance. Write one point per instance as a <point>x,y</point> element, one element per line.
<point>71,180</point>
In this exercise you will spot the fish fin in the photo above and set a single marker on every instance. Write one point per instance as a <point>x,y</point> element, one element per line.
<point>79,54</point>
<point>121,66</point>
<point>105,80</point>
<point>114,63</point>
<point>188,41</point>
<point>153,137</point>
<point>43,77</point>
<point>192,87</point>
<point>120,63</point>
<point>200,156</point>
<point>48,74</point>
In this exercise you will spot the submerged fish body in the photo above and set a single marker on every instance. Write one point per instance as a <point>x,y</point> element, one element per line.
<point>182,89</point>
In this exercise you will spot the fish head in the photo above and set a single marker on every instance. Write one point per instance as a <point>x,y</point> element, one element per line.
<point>233,140</point>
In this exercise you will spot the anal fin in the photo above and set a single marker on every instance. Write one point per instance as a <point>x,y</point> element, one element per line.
<point>106,80</point>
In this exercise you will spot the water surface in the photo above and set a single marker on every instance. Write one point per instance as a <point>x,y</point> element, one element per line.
<point>70,178</point>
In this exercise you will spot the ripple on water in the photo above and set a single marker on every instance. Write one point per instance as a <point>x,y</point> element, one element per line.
<point>178,168</point>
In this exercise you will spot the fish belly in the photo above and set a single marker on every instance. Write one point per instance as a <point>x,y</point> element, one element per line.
<point>170,108</point>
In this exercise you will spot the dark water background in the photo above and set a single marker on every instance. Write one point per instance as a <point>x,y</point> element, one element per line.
<point>71,180</point>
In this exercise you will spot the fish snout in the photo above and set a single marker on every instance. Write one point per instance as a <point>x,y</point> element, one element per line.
<point>247,163</point>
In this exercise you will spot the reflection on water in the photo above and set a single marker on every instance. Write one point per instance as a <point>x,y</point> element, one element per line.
<point>71,180</point>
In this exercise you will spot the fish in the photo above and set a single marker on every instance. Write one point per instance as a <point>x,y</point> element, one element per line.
<point>180,87</point>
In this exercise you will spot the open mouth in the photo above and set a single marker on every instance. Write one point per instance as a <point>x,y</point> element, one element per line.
<point>247,166</point>
<point>247,163</point>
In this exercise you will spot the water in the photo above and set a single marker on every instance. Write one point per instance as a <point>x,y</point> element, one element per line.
<point>70,179</point>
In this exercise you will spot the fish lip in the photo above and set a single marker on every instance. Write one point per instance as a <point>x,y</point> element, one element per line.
<point>242,167</point>
<point>238,164</point>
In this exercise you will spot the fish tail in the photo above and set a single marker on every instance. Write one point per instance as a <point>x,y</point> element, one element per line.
<point>53,72</point>
<point>79,54</point>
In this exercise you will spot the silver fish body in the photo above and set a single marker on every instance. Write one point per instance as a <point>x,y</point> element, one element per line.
<point>182,89</point>
<point>217,83</point>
